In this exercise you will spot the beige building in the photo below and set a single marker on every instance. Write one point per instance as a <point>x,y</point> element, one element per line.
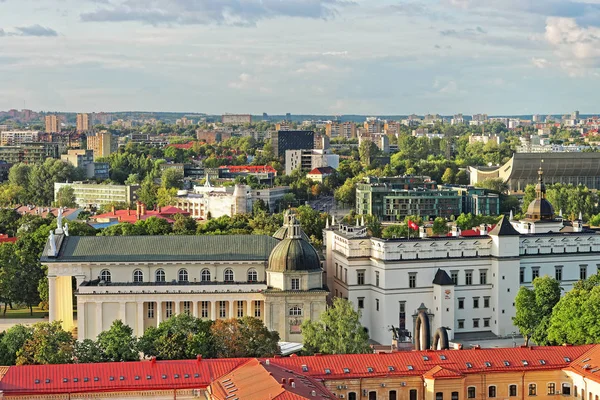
<point>343,129</point>
<point>16,138</point>
<point>144,280</point>
<point>95,195</point>
<point>52,124</point>
<point>103,144</point>
<point>83,122</point>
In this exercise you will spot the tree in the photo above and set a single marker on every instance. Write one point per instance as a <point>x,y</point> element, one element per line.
<point>311,221</point>
<point>19,175</point>
<point>48,344</point>
<point>155,226</point>
<point>43,176</point>
<point>534,309</point>
<point>88,351</point>
<point>440,226</point>
<point>12,341</point>
<point>118,343</point>
<point>165,197</point>
<point>338,331</point>
<point>180,337</point>
<point>184,225</point>
<point>367,150</point>
<point>258,206</point>
<point>448,177</point>
<point>245,337</point>
<point>576,318</point>
<point>495,184</point>
<point>65,197</point>
<point>172,178</point>
<point>147,192</point>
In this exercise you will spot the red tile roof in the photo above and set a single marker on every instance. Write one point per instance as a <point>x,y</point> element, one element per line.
<point>43,211</point>
<point>322,171</point>
<point>139,375</point>
<point>438,372</point>
<point>420,362</point>
<point>131,215</point>
<point>5,239</point>
<point>250,168</point>
<point>588,364</point>
<point>182,146</point>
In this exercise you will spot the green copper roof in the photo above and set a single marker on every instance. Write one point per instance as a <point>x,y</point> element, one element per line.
<point>163,248</point>
<point>294,255</point>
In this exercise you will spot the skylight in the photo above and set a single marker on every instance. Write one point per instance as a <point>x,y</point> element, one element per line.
<point>148,377</point>
<point>469,365</point>
<point>543,362</point>
<point>410,367</point>
<point>369,369</point>
<point>390,368</point>
<point>425,358</point>
<point>304,368</point>
<point>75,380</point>
<point>506,363</point>
<point>442,357</point>
<point>112,378</point>
<point>346,370</point>
<point>327,371</point>
<point>137,378</point>
<point>567,359</point>
<point>65,380</point>
<point>488,364</point>
<point>525,363</point>
<point>164,377</point>
<point>196,375</point>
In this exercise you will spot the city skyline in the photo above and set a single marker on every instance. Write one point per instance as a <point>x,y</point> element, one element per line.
<point>308,57</point>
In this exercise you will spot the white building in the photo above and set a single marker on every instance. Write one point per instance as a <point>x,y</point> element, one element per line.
<point>310,159</point>
<point>468,284</point>
<point>16,138</point>
<point>144,280</point>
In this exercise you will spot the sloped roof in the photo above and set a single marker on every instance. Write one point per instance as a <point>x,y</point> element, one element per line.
<point>438,372</point>
<point>420,362</point>
<point>504,228</point>
<point>588,364</point>
<point>129,376</point>
<point>163,248</point>
<point>441,278</point>
<point>322,171</point>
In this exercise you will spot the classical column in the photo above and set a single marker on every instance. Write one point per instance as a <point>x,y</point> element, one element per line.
<point>98,318</point>
<point>213,310</point>
<point>80,320</point>
<point>140,318</point>
<point>195,309</point>
<point>59,300</point>
<point>158,312</point>
<point>123,312</point>
<point>52,297</point>
<point>249,308</point>
<point>177,304</point>
<point>231,315</point>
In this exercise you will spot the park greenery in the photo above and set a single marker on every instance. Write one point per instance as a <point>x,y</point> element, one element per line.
<point>179,337</point>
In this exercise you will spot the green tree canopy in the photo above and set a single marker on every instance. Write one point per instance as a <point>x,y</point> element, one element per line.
<point>65,197</point>
<point>48,344</point>
<point>245,337</point>
<point>118,343</point>
<point>338,331</point>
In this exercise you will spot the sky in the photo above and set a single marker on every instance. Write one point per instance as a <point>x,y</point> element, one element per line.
<point>376,57</point>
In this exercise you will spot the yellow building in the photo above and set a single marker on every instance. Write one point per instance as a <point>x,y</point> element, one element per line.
<point>83,122</point>
<point>103,144</point>
<point>52,124</point>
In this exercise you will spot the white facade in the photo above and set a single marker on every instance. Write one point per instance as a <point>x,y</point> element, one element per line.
<point>309,160</point>
<point>391,277</point>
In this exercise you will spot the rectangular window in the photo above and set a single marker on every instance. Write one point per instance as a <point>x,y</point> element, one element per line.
<point>492,391</point>
<point>483,277</point>
<point>377,278</point>
<point>552,388</point>
<point>461,303</point>
<point>187,307</point>
<point>150,310</point>
<point>240,308</point>
<point>461,324</point>
<point>512,390</point>
<point>204,309</point>
<point>439,396</point>
<point>535,273</point>
<point>412,280</point>
<point>168,309</point>
<point>558,273</point>
<point>532,389</point>
<point>486,302</point>
<point>376,304</point>
<point>360,277</point>
<point>471,392</point>
<point>522,275</point>
<point>566,389</point>
<point>346,275</point>
<point>475,322</point>
<point>454,396</point>
<point>257,308</point>
<point>486,322</point>
<point>468,277</point>
<point>222,309</point>
<point>475,302</point>
<point>361,302</point>
<point>583,272</point>
<point>454,276</point>
<point>295,284</point>
<point>336,270</point>
<point>413,394</point>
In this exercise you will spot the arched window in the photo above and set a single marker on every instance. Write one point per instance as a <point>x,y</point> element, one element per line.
<point>228,275</point>
<point>205,275</point>
<point>160,275</point>
<point>105,275</point>
<point>182,275</point>
<point>295,311</point>
<point>492,391</point>
<point>252,275</point>
<point>532,389</point>
<point>471,392</point>
<point>138,276</point>
<point>512,390</point>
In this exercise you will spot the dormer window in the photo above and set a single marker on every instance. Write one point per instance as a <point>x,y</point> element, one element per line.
<point>295,284</point>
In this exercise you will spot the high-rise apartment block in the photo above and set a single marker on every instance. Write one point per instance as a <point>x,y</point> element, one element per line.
<point>52,124</point>
<point>341,129</point>
<point>15,138</point>
<point>103,144</point>
<point>83,122</point>
<point>292,140</point>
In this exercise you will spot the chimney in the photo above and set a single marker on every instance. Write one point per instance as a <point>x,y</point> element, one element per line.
<point>158,208</point>
<point>455,232</point>
<point>143,209</point>
<point>283,381</point>
<point>199,357</point>
<point>138,209</point>
<point>422,232</point>
<point>112,209</point>
<point>483,229</point>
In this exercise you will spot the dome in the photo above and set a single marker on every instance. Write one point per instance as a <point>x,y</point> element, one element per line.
<point>294,254</point>
<point>540,209</point>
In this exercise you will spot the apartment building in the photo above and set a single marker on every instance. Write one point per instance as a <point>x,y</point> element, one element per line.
<point>96,195</point>
<point>83,122</point>
<point>16,138</point>
<point>52,124</point>
<point>103,144</point>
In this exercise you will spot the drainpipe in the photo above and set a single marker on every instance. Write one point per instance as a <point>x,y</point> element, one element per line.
<point>523,386</point>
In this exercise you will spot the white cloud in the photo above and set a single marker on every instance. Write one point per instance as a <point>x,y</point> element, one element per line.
<point>540,62</point>
<point>576,47</point>
<point>244,81</point>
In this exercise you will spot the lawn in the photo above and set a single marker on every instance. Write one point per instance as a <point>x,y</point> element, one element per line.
<point>22,313</point>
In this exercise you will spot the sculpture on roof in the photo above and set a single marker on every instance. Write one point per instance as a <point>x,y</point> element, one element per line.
<point>59,219</point>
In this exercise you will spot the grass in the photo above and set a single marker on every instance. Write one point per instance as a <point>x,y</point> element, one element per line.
<point>22,313</point>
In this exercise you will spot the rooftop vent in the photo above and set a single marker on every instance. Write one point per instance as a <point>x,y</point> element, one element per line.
<point>442,357</point>
<point>488,364</point>
<point>410,367</point>
<point>506,363</point>
<point>469,365</point>
<point>525,363</point>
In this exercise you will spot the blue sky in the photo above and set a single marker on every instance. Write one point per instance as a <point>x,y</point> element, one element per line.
<point>301,56</point>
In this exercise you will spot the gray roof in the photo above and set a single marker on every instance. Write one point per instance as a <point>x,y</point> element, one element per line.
<point>162,248</point>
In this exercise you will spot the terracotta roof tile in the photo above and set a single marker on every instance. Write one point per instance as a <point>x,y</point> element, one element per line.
<point>588,364</point>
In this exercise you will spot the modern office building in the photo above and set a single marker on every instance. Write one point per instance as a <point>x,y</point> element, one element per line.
<point>16,138</point>
<point>292,140</point>
<point>476,201</point>
<point>521,373</point>
<point>521,170</point>
<point>394,198</point>
<point>83,122</point>
<point>84,159</point>
<point>103,144</point>
<point>144,280</point>
<point>95,195</point>
<point>466,281</point>
<point>52,124</point>
<point>308,160</point>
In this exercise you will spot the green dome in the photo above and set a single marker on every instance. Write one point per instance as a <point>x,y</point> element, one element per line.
<point>294,254</point>
<point>282,233</point>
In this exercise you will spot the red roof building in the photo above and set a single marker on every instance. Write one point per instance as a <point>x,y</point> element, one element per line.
<point>5,239</point>
<point>182,146</point>
<point>141,213</point>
